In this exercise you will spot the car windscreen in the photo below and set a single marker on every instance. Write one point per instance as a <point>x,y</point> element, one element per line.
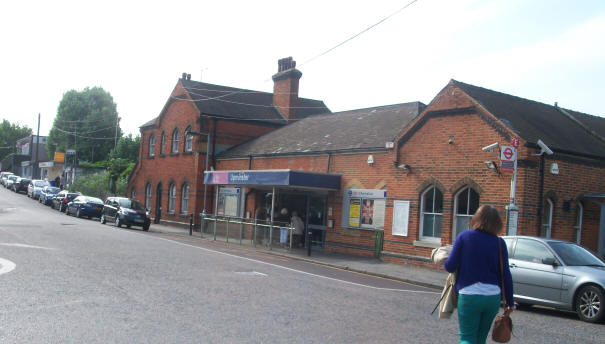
<point>24,181</point>
<point>134,205</point>
<point>13,177</point>
<point>575,255</point>
<point>93,200</point>
<point>39,183</point>
<point>52,190</point>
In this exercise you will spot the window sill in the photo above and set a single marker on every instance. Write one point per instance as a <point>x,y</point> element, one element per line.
<point>161,155</point>
<point>174,154</point>
<point>430,244</point>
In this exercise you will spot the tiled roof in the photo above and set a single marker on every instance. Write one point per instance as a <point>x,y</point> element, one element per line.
<point>533,121</point>
<point>363,129</point>
<point>242,104</point>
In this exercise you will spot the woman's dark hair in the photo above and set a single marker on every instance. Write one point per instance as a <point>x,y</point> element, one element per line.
<point>487,219</point>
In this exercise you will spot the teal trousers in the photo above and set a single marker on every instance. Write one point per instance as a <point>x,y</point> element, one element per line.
<point>476,314</point>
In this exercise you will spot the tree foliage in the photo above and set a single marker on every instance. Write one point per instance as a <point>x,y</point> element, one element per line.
<point>86,121</point>
<point>128,147</point>
<point>9,134</point>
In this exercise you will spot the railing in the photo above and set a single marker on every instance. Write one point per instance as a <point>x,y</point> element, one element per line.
<point>247,231</point>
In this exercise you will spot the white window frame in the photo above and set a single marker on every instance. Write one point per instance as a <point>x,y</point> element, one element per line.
<point>171,198</point>
<point>188,140</point>
<point>162,142</point>
<point>546,229</point>
<point>175,140</point>
<point>578,226</point>
<point>185,199</point>
<point>151,145</point>
<point>422,213</point>
<point>468,189</point>
<point>148,196</point>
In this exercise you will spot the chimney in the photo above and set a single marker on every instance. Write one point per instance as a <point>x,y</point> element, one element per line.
<point>285,88</point>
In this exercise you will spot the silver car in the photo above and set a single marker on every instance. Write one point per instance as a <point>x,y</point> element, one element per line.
<point>557,274</point>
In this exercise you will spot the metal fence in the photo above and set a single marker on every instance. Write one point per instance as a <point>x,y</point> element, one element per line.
<point>247,231</point>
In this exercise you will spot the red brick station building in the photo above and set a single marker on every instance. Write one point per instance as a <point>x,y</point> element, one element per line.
<point>417,172</point>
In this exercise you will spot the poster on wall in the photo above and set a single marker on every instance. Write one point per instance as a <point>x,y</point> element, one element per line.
<point>378,213</point>
<point>367,212</point>
<point>401,215</point>
<point>354,211</point>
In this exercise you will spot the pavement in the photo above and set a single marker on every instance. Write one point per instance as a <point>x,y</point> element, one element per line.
<point>367,265</point>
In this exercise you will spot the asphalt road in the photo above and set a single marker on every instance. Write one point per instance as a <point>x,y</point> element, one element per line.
<point>70,280</point>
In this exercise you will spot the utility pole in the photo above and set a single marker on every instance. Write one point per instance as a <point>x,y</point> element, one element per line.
<point>35,167</point>
<point>115,140</point>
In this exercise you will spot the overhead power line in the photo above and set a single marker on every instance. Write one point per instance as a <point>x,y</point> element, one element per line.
<point>360,33</point>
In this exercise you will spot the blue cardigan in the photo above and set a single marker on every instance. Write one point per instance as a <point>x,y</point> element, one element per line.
<point>475,255</point>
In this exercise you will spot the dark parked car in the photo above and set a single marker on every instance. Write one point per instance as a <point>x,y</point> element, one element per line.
<point>85,206</point>
<point>557,274</point>
<point>20,185</point>
<point>124,211</point>
<point>62,198</point>
<point>47,194</point>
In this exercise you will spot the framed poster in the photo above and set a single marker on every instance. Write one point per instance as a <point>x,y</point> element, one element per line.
<point>401,216</point>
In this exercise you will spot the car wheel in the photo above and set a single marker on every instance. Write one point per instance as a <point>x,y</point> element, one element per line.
<point>78,213</point>
<point>67,211</point>
<point>589,304</point>
<point>146,227</point>
<point>102,219</point>
<point>60,206</point>
<point>118,222</point>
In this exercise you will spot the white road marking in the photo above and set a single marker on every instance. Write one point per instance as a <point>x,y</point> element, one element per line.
<point>294,270</point>
<point>6,266</point>
<point>251,273</point>
<point>24,246</point>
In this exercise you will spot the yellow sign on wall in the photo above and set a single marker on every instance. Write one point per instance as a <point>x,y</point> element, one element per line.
<point>59,157</point>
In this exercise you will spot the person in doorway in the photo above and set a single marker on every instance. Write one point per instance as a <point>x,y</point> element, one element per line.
<point>299,229</point>
<point>284,231</point>
<point>476,255</point>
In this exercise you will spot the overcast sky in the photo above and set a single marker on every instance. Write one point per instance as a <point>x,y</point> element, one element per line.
<point>545,50</point>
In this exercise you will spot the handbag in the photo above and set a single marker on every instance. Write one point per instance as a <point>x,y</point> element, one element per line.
<point>449,297</point>
<point>503,325</point>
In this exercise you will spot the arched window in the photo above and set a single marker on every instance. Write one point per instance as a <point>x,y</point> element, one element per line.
<point>148,196</point>
<point>547,218</point>
<point>171,198</point>
<point>431,213</point>
<point>578,227</point>
<point>151,145</point>
<point>185,199</point>
<point>162,142</point>
<point>188,140</point>
<point>175,140</point>
<point>466,204</point>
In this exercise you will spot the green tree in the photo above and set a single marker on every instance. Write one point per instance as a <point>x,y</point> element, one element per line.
<point>86,121</point>
<point>9,134</point>
<point>128,147</point>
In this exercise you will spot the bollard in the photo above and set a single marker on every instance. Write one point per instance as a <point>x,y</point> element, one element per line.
<point>241,230</point>
<point>190,224</point>
<point>227,228</point>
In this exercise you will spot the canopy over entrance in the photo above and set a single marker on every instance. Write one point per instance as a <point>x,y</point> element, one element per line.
<point>290,178</point>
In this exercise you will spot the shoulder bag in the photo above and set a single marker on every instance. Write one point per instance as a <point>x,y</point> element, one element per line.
<point>503,325</point>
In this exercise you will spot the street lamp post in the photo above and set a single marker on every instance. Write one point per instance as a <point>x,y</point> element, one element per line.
<point>195,133</point>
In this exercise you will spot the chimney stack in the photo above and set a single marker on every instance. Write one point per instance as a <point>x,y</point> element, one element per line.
<point>285,87</point>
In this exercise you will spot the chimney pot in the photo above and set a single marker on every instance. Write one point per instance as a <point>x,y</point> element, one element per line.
<point>184,76</point>
<point>188,76</point>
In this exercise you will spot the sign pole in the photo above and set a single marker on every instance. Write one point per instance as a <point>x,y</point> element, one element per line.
<point>512,211</point>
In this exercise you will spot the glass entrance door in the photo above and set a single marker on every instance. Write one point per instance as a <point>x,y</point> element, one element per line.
<point>316,220</point>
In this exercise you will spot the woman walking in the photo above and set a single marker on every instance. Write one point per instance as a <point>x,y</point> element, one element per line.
<point>476,256</point>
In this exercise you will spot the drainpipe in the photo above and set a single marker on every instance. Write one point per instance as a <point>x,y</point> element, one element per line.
<point>541,194</point>
<point>328,166</point>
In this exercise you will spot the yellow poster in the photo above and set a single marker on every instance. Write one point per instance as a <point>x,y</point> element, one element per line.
<point>354,212</point>
<point>59,157</point>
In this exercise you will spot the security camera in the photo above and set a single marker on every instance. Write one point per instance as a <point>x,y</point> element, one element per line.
<point>490,148</point>
<point>544,148</point>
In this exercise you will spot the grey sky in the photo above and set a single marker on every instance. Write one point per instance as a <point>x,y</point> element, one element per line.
<point>542,50</point>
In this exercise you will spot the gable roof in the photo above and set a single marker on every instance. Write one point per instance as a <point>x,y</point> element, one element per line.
<point>533,120</point>
<point>354,130</point>
<point>241,104</point>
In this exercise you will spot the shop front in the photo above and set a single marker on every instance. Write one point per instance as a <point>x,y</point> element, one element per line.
<point>274,197</point>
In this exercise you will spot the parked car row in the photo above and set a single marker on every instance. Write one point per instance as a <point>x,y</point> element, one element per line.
<point>120,211</point>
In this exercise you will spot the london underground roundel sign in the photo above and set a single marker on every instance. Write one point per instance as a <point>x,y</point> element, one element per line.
<point>508,153</point>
